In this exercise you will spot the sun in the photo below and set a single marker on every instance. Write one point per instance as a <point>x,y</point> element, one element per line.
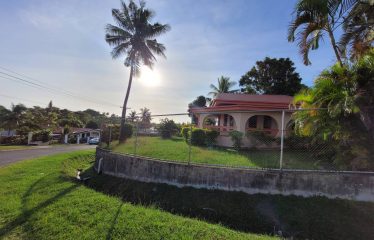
<point>149,78</point>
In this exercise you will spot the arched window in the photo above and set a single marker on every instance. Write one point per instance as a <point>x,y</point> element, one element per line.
<point>252,122</point>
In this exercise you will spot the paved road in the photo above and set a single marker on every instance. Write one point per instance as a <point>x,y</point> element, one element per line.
<point>12,156</point>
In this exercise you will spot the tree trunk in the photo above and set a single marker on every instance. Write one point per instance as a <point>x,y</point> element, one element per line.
<point>122,136</point>
<point>334,46</point>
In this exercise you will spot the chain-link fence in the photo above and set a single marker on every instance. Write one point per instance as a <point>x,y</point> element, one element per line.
<point>276,139</point>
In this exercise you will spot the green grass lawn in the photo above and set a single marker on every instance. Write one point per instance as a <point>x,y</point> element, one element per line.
<point>39,199</point>
<point>176,149</point>
<point>14,147</point>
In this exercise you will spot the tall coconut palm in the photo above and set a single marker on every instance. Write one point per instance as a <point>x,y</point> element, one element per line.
<point>358,30</point>
<point>224,86</point>
<point>132,116</point>
<point>134,36</point>
<point>316,18</point>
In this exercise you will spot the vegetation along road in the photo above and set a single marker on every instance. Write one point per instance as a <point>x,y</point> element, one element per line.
<point>11,156</point>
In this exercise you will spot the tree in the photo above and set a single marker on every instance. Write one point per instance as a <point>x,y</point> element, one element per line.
<point>167,128</point>
<point>224,86</point>
<point>272,76</point>
<point>92,124</point>
<point>134,36</point>
<point>200,101</point>
<point>358,29</point>
<point>315,17</point>
<point>145,117</point>
<point>132,116</point>
<point>345,96</point>
<point>13,118</point>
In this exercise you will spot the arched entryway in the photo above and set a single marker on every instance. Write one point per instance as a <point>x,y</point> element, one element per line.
<point>219,122</point>
<point>263,123</point>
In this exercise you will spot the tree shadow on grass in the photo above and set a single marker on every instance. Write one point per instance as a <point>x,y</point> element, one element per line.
<point>297,217</point>
<point>27,213</point>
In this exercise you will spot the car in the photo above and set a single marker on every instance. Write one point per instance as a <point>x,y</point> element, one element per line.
<point>93,141</point>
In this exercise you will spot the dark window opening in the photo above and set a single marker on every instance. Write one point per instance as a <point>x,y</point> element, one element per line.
<point>267,122</point>
<point>252,122</point>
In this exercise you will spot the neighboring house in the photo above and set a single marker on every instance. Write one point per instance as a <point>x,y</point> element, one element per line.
<point>244,113</point>
<point>8,133</point>
<point>85,134</point>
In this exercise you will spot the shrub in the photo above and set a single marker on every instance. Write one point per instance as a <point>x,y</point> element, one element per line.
<point>42,135</point>
<point>167,128</point>
<point>127,130</point>
<point>198,137</point>
<point>185,133</point>
<point>14,140</point>
<point>115,133</point>
<point>211,136</point>
<point>236,137</point>
<point>260,137</point>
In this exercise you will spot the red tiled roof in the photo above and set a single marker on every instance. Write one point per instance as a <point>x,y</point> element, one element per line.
<point>246,102</point>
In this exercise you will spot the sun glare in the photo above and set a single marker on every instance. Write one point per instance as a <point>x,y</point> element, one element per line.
<point>150,78</point>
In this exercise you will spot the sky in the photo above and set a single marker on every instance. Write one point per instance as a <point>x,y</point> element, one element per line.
<point>61,44</point>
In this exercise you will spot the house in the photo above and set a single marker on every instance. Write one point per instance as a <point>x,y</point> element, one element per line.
<point>244,113</point>
<point>8,133</point>
<point>83,135</point>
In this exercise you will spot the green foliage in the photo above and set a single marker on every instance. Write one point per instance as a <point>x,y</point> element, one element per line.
<point>185,132</point>
<point>198,137</point>
<point>272,76</point>
<point>224,86</point>
<point>211,136</point>
<point>42,135</point>
<point>236,137</point>
<point>260,138</point>
<point>92,124</point>
<point>127,131</point>
<point>346,95</point>
<point>200,101</point>
<point>114,129</point>
<point>167,128</point>
<point>13,140</point>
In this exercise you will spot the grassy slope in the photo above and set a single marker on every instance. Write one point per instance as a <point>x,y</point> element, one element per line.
<point>177,149</point>
<point>39,201</point>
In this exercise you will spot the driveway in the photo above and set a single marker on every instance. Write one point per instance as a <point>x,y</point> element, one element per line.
<point>12,156</point>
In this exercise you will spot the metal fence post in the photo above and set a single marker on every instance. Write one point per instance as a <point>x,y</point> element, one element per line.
<point>110,136</point>
<point>282,140</point>
<point>189,146</point>
<point>136,137</point>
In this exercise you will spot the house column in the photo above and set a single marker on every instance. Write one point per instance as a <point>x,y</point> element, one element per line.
<point>78,138</point>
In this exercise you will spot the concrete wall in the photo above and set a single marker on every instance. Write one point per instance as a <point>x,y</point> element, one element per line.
<point>353,186</point>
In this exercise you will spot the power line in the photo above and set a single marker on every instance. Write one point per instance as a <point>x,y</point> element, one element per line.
<point>22,99</point>
<point>44,86</point>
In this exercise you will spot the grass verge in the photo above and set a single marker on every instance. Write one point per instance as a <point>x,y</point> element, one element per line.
<point>14,147</point>
<point>176,149</point>
<point>39,199</point>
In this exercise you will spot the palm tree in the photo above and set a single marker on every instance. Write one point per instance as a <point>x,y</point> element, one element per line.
<point>145,115</point>
<point>224,86</point>
<point>358,30</point>
<point>13,118</point>
<point>134,36</point>
<point>132,116</point>
<point>316,17</point>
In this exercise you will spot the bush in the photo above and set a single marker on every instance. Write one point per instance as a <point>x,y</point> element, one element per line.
<point>260,137</point>
<point>198,137</point>
<point>114,135</point>
<point>185,133</point>
<point>211,136</point>
<point>42,135</point>
<point>167,128</point>
<point>236,137</point>
<point>128,129</point>
<point>14,140</point>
